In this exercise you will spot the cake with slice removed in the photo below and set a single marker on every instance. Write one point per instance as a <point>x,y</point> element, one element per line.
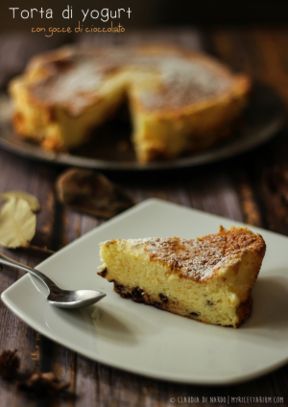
<point>180,102</point>
<point>209,278</point>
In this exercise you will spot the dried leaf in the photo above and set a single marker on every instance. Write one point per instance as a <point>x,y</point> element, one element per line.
<point>34,384</point>
<point>44,384</point>
<point>9,364</point>
<point>91,193</point>
<point>30,199</point>
<point>17,223</point>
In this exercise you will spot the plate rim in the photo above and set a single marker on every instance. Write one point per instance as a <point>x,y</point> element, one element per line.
<point>236,379</point>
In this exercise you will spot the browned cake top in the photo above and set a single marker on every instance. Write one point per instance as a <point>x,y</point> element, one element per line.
<point>199,258</point>
<point>73,76</point>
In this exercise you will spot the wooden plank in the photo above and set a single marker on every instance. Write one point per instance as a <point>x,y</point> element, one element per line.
<point>254,190</point>
<point>262,183</point>
<point>17,174</point>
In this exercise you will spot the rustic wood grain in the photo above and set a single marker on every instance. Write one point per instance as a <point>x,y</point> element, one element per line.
<point>253,188</point>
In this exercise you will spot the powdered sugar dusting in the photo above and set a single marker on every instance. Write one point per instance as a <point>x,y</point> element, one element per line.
<point>199,258</point>
<point>179,79</point>
<point>183,82</point>
<point>84,78</point>
<point>77,85</point>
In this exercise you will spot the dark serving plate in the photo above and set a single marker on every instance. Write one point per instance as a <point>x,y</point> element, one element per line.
<point>111,150</point>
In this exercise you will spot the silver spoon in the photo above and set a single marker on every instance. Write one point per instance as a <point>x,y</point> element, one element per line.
<point>57,296</point>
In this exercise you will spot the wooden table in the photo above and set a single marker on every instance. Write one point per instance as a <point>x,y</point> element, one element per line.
<point>252,188</point>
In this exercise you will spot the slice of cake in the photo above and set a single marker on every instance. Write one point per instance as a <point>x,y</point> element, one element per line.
<point>209,278</point>
<point>180,102</point>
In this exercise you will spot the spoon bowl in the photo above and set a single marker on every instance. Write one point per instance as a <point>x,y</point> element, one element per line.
<point>74,299</point>
<point>57,296</point>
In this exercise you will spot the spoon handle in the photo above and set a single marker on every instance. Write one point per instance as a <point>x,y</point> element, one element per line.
<point>36,273</point>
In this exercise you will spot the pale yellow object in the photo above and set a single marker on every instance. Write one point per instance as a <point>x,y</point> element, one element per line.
<point>209,279</point>
<point>17,223</point>
<point>32,201</point>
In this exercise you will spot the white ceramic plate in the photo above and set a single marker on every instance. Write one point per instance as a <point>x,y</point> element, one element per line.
<point>148,341</point>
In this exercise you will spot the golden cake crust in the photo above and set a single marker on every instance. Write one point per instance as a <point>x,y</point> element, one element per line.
<point>200,259</point>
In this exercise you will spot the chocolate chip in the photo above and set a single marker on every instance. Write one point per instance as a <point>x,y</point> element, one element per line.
<point>137,294</point>
<point>163,298</point>
<point>156,304</point>
<point>103,273</point>
<point>194,314</point>
<point>120,289</point>
<point>210,303</point>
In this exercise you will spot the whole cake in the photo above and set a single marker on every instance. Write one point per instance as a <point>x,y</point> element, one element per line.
<point>179,101</point>
<point>209,278</point>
